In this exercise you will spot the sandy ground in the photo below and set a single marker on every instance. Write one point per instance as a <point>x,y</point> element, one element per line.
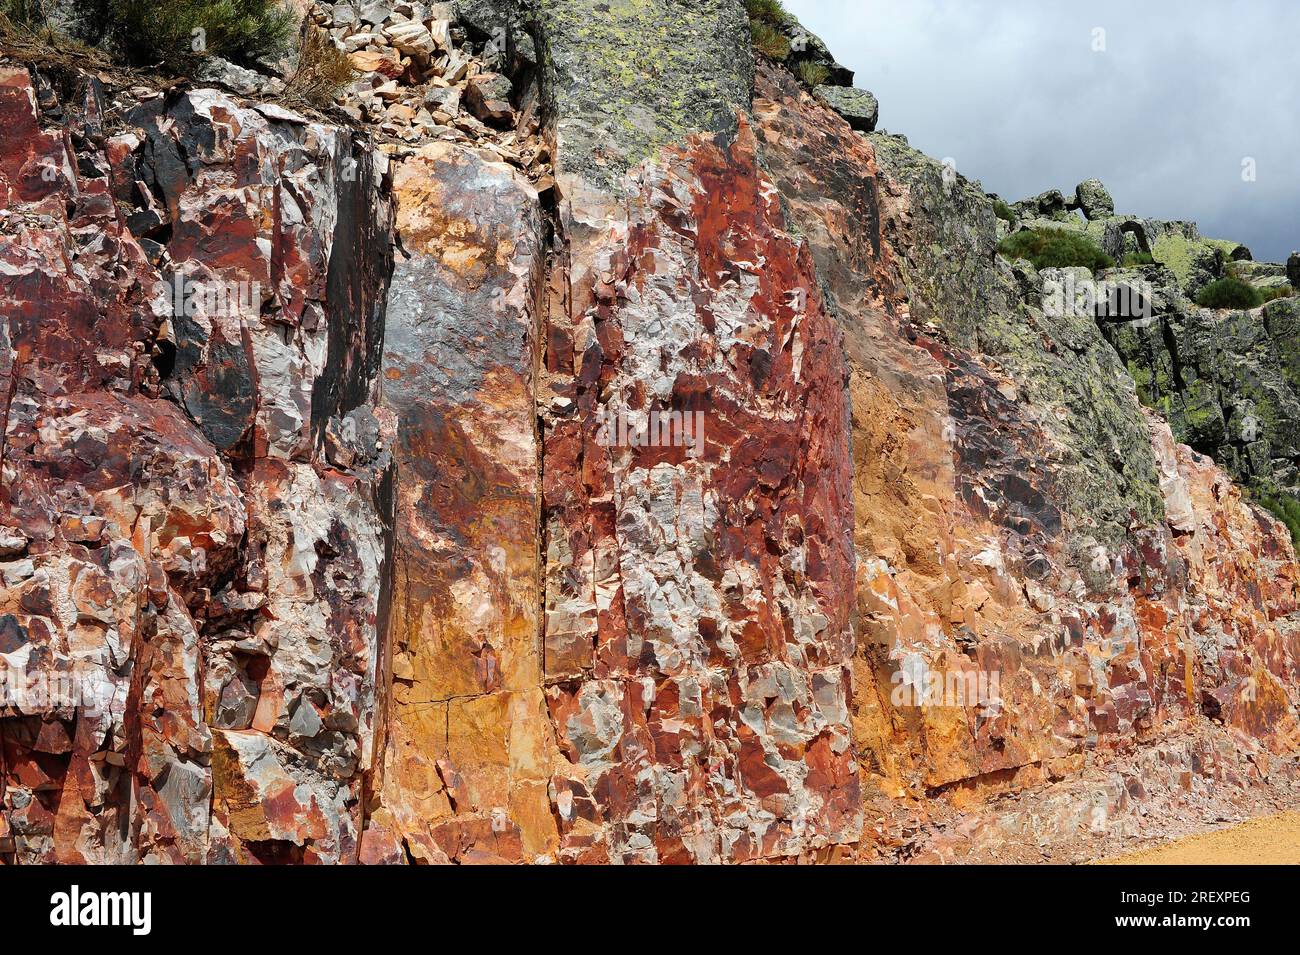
<point>1268,840</point>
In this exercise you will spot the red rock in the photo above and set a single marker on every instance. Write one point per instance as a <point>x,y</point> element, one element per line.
<point>140,577</point>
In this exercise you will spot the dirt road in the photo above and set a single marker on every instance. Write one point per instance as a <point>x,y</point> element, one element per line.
<point>1268,840</point>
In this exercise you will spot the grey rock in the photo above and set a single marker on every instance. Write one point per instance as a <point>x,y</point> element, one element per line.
<point>445,98</point>
<point>1206,266</point>
<point>1293,269</point>
<point>376,13</point>
<point>1091,197</point>
<point>1228,382</point>
<point>306,721</point>
<point>808,47</point>
<point>858,107</point>
<point>611,117</point>
<point>1047,205</point>
<point>487,96</point>
<point>235,78</point>
<point>487,18</point>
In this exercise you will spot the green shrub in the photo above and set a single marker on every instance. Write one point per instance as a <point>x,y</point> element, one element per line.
<point>1132,260</point>
<point>1055,249</point>
<point>176,33</point>
<point>813,74</point>
<point>1003,211</point>
<point>1286,510</point>
<point>1229,292</point>
<point>22,14</point>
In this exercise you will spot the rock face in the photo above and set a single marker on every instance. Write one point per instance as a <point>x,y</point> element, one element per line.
<point>949,420</point>
<point>469,748</point>
<point>691,482</point>
<point>1227,382</point>
<point>698,582</point>
<point>192,486</point>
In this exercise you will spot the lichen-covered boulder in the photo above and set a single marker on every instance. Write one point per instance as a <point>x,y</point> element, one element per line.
<point>857,106</point>
<point>1047,205</point>
<point>1091,198</point>
<point>627,78</point>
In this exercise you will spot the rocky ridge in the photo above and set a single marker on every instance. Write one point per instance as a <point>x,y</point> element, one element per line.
<point>1224,379</point>
<point>355,573</point>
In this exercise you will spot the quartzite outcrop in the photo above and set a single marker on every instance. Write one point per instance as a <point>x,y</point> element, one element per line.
<point>344,566</point>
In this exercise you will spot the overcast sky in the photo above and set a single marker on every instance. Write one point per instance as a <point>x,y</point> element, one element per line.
<point>1165,115</point>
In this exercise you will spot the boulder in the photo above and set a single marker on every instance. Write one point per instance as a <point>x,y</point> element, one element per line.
<point>412,38</point>
<point>1091,197</point>
<point>857,106</point>
<point>484,18</point>
<point>487,96</point>
<point>444,98</point>
<point>376,14</point>
<point>1047,205</point>
<point>808,47</point>
<point>1293,269</point>
<point>236,78</point>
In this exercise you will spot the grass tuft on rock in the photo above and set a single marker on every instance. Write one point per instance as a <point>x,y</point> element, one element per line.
<point>766,19</point>
<point>1229,292</point>
<point>1055,249</point>
<point>1132,260</point>
<point>1003,211</point>
<point>813,74</point>
<point>322,71</point>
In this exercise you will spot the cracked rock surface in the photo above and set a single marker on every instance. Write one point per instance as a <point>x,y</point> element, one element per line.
<point>587,445</point>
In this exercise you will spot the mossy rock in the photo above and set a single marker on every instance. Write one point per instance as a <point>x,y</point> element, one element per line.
<point>627,77</point>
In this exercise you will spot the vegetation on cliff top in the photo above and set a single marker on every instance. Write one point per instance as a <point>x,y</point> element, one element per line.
<point>1055,249</point>
<point>1286,510</point>
<point>765,20</point>
<point>177,32</point>
<point>174,33</point>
